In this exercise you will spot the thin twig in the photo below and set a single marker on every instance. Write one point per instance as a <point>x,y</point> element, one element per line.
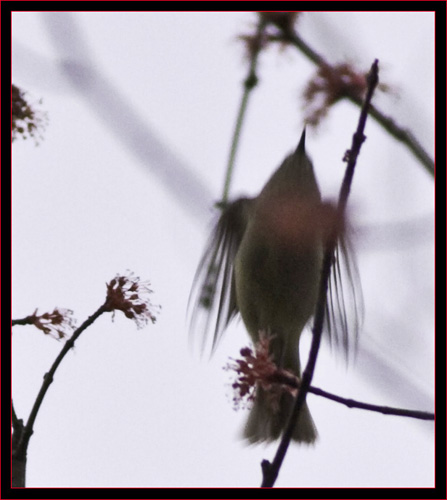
<point>249,84</point>
<point>287,379</point>
<point>270,470</point>
<point>29,320</point>
<point>386,410</point>
<point>48,379</point>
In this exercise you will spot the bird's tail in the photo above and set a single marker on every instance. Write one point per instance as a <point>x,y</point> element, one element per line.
<point>270,413</point>
<point>267,422</point>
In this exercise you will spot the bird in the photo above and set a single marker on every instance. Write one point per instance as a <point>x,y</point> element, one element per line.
<point>263,263</point>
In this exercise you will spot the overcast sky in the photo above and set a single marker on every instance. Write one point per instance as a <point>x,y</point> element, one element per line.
<point>141,108</point>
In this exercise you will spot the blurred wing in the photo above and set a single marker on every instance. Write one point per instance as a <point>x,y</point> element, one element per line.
<point>344,303</point>
<point>213,292</point>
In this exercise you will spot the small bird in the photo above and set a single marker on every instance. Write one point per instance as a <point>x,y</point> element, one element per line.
<point>264,261</point>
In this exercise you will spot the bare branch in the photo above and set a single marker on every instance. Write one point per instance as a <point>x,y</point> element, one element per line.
<point>386,410</point>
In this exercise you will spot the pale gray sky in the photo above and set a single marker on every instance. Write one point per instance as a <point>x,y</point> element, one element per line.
<point>141,109</point>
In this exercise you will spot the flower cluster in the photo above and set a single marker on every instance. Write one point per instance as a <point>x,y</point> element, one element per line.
<point>130,295</point>
<point>26,121</point>
<point>58,324</point>
<point>258,369</point>
<point>283,23</point>
<point>329,85</point>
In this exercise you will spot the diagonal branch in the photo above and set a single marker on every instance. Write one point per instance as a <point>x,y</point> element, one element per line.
<point>399,133</point>
<point>270,470</point>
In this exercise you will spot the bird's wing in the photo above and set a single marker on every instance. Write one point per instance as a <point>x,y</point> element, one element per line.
<point>344,301</point>
<point>213,296</point>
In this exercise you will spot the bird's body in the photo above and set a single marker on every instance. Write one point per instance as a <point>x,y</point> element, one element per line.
<point>277,270</point>
<point>265,256</point>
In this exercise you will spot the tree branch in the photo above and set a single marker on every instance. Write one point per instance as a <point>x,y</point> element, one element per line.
<point>124,293</point>
<point>29,320</point>
<point>249,84</point>
<point>270,470</point>
<point>286,378</point>
<point>47,380</point>
<point>399,133</point>
<point>386,410</point>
